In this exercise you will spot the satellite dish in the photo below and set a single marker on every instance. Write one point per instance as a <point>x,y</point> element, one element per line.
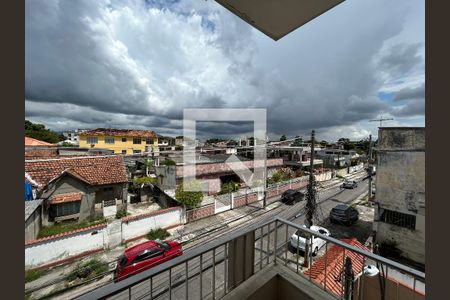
<point>371,271</point>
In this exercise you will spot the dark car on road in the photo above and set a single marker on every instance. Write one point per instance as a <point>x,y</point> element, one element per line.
<point>145,256</point>
<point>343,214</point>
<point>350,184</point>
<point>292,196</point>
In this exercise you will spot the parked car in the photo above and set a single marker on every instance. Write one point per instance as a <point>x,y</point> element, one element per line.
<point>344,214</point>
<point>349,184</point>
<point>292,196</point>
<point>145,256</point>
<point>299,239</point>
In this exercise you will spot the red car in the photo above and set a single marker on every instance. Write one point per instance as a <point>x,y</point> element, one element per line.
<point>145,256</point>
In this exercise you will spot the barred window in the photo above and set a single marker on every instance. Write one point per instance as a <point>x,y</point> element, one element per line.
<point>399,219</point>
<point>65,209</point>
<point>136,141</point>
<point>92,140</point>
<point>109,140</point>
<point>124,140</point>
<point>149,141</point>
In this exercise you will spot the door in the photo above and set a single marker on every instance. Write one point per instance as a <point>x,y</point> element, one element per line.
<point>144,261</point>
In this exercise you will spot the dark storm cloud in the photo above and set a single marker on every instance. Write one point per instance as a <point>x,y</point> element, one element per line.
<point>411,93</point>
<point>102,63</point>
<point>401,58</point>
<point>413,108</point>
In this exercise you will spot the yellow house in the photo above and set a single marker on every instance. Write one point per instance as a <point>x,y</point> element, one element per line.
<point>122,141</point>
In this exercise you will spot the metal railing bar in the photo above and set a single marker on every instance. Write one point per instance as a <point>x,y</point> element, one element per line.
<point>287,246</point>
<point>187,281</point>
<point>201,276</point>
<point>268,242</point>
<point>214,274</point>
<point>393,264</point>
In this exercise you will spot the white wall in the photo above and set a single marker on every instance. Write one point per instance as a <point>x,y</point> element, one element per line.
<point>55,249</point>
<point>139,227</point>
<point>60,248</point>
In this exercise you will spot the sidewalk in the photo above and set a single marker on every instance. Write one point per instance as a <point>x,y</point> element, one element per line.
<point>185,234</point>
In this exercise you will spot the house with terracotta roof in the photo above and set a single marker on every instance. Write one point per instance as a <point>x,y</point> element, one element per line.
<point>77,187</point>
<point>38,148</point>
<point>328,270</point>
<point>121,141</point>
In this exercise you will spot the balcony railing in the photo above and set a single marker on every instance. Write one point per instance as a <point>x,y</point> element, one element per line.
<point>213,270</point>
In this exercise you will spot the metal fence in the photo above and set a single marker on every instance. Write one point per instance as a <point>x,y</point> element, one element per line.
<point>203,272</point>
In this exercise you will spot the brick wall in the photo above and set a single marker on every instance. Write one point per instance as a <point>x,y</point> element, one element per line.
<point>198,213</point>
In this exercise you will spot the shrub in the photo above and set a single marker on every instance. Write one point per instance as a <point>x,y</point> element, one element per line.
<point>138,181</point>
<point>121,213</point>
<point>168,162</point>
<point>33,275</point>
<point>158,234</point>
<point>229,187</point>
<point>87,270</point>
<point>192,199</point>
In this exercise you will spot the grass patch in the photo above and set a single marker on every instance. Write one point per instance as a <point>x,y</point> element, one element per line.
<point>121,213</point>
<point>67,226</point>
<point>33,275</point>
<point>158,234</point>
<point>88,270</point>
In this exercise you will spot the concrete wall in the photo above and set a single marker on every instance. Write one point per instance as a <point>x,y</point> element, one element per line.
<point>70,245</point>
<point>401,187</point>
<point>135,226</point>
<point>48,250</point>
<point>33,224</point>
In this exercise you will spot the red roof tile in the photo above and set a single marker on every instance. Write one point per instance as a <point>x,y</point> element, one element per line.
<point>94,170</point>
<point>334,258</point>
<point>120,132</point>
<point>64,198</point>
<point>30,142</point>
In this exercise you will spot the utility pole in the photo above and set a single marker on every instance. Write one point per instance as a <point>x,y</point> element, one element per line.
<point>265,175</point>
<point>369,168</point>
<point>311,202</point>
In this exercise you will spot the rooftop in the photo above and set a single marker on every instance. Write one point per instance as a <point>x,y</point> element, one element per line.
<point>119,132</point>
<point>30,142</point>
<point>30,207</point>
<point>94,170</point>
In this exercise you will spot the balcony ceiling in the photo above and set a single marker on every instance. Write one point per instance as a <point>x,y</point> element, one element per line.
<point>277,18</point>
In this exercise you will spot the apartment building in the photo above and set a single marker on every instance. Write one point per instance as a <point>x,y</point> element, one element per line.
<point>400,197</point>
<point>121,141</point>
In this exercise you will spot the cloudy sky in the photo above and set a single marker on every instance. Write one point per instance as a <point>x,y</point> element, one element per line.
<point>137,64</point>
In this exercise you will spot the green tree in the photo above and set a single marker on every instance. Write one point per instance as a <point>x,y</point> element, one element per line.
<point>283,138</point>
<point>188,198</point>
<point>39,132</point>
<point>168,162</point>
<point>229,187</point>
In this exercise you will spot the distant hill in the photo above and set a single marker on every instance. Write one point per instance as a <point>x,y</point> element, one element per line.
<point>39,132</point>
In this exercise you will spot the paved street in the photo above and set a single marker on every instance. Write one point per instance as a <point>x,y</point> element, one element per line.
<point>327,200</point>
<point>202,231</point>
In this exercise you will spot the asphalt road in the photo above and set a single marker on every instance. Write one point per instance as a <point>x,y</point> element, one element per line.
<point>215,271</point>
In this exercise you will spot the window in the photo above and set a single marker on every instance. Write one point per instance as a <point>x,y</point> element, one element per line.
<point>124,151</point>
<point>136,151</point>
<point>398,218</point>
<point>147,254</point>
<point>92,140</point>
<point>109,140</point>
<point>149,141</point>
<point>64,209</point>
<point>136,141</point>
<point>124,140</point>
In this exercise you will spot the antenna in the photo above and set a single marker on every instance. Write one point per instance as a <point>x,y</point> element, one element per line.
<point>381,119</point>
